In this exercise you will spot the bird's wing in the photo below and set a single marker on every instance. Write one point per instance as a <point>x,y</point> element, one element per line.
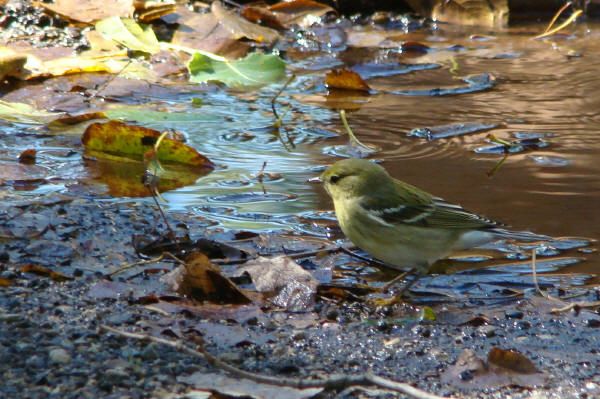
<point>413,206</point>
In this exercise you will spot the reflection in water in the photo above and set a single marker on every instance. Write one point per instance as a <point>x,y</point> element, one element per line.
<point>539,90</point>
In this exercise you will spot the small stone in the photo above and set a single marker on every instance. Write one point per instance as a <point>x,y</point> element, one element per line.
<point>487,331</point>
<point>299,336</point>
<point>59,356</point>
<point>593,323</point>
<point>515,314</point>
<point>149,353</point>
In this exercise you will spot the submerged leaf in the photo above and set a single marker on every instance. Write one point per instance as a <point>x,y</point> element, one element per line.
<point>255,69</point>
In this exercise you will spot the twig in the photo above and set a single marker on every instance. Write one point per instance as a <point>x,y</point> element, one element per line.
<point>351,135</point>
<point>569,20</point>
<point>334,382</point>
<point>535,282</point>
<point>558,13</point>
<point>145,262</point>
<point>108,81</point>
<point>278,123</point>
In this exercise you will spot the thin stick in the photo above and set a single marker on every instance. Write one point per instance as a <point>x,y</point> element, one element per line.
<point>559,12</point>
<point>333,382</point>
<point>278,123</point>
<point>569,20</point>
<point>353,138</point>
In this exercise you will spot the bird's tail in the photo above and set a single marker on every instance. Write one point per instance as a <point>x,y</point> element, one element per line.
<point>520,235</point>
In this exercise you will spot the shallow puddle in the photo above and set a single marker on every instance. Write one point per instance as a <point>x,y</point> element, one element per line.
<point>429,119</point>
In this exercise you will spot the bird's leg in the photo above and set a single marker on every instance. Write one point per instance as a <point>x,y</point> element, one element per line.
<point>397,298</point>
<point>393,281</point>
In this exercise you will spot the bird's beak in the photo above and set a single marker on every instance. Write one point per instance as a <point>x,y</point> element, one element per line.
<point>314,180</point>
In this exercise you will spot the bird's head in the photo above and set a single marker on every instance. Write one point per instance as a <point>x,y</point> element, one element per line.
<point>353,178</point>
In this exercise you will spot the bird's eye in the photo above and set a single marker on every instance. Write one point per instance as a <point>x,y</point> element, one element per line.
<point>334,179</point>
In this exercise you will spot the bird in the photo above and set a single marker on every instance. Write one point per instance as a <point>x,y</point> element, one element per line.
<point>402,225</point>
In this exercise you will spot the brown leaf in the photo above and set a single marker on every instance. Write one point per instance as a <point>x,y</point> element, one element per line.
<point>202,280</point>
<point>511,360</point>
<point>45,272</point>
<point>241,27</point>
<point>89,11</point>
<point>204,32</point>
<point>345,79</point>
<point>262,15</point>
<point>470,372</point>
<point>300,12</point>
<point>27,156</point>
<point>4,282</point>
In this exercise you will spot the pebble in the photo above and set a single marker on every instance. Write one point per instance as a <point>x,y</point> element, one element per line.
<point>59,356</point>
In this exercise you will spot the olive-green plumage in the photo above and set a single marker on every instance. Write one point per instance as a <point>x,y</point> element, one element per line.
<point>401,224</point>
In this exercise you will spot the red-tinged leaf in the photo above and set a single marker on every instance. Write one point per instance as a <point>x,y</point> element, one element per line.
<point>261,15</point>
<point>27,156</point>
<point>347,80</point>
<point>132,142</point>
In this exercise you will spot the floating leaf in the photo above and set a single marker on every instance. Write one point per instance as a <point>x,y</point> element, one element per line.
<point>345,79</point>
<point>255,69</point>
<point>132,142</point>
<point>129,33</point>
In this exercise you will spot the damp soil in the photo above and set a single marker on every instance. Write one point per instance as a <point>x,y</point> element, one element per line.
<point>51,344</point>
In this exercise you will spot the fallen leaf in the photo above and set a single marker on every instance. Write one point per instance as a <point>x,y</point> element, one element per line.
<point>129,33</point>
<point>511,360</point>
<point>262,15</point>
<point>345,79</point>
<point>503,368</point>
<point>88,11</point>
<point>241,27</point>
<point>300,12</point>
<point>45,272</point>
<point>19,172</point>
<point>287,283</point>
<point>117,140</point>
<point>27,156</point>
<point>25,113</point>
<point>198,278</point>
<point>11,63</point>
<point>255,69</point>
<point>204,32</point>
<point>240,387</point>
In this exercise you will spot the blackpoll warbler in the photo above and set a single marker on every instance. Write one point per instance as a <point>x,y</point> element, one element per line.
<point>401,224</point>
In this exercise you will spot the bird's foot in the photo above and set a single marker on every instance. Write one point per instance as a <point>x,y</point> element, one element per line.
<point>380,302</point>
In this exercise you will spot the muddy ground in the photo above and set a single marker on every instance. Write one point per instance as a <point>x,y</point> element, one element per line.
<point>52,346</point>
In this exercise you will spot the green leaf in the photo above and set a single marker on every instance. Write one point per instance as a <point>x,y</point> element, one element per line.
<point>427,314</point>
<point>129,33</point>
<point>255,69</point>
